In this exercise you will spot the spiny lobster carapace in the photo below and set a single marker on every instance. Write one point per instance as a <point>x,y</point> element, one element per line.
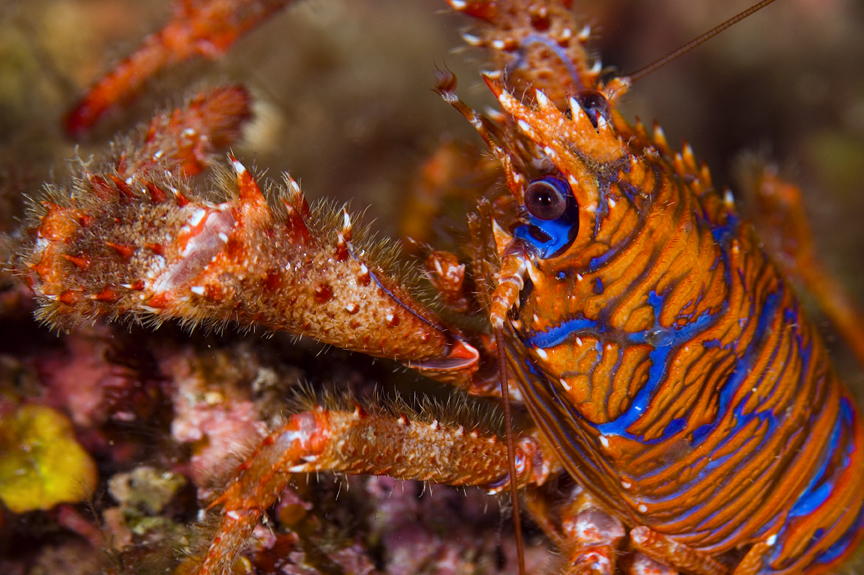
<point>664,360</point>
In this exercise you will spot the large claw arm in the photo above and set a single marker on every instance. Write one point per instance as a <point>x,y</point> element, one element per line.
<point>146,247</point>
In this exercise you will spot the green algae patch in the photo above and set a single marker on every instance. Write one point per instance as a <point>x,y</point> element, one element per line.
<point>41,463</point>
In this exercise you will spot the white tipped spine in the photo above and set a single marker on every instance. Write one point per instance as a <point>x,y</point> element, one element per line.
<point>602,124</point>
<point>239,168</point>
<point>576,111</point>
<point>584,33</point>
<point>542,100</point>
<point>472,40</point>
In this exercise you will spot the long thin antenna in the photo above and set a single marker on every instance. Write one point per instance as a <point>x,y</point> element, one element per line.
<point>642,72</point>
<point>511,451</point>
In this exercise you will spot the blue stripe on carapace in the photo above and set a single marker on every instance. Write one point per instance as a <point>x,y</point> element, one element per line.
<point>842,545</point>
<point>815,494</point>
<point>664,340</point>
<point>570,328</point>
<point>742,369</point>
<point>821,486</point>
<point>586,457</point>
<point>597,262</point>
<point>729,230</point>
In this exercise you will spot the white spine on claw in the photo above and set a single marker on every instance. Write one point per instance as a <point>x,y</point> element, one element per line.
<point>238,167</point>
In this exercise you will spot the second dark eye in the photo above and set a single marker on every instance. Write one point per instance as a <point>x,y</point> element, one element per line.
<point>594,104</point>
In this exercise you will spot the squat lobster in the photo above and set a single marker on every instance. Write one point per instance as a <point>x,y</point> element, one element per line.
<point>665,362</point>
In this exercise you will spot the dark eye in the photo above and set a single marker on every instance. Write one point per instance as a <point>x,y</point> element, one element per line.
<point>594,104</point>
<point>544,200</point>
<point>552,222</point>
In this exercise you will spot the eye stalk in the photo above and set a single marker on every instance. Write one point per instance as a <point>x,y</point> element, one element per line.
<point>553,216</point>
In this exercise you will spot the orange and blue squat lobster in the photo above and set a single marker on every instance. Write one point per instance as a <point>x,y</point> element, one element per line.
<point>669,369</point>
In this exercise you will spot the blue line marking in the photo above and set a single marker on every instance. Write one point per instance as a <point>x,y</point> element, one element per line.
<point>842,545</point>
<point>821,485</point>
<point>664,341</point>
<point>561,333</point>
<point>585,458</point>
<point>722,234</point>
<point>743,368</point>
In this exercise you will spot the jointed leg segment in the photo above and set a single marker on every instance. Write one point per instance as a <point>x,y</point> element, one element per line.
<point>360,443</point>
